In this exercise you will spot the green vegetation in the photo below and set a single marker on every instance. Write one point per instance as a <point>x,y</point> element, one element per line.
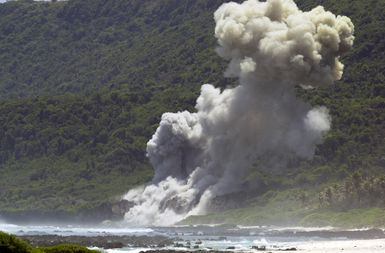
<point>11,244</point>
<point>294,207</point>
<point>64,249</point>
<point>271,208</point>
<point>83,84</point>
<point>355,192</point>
<point>83,45</point>
<point>74,153</point>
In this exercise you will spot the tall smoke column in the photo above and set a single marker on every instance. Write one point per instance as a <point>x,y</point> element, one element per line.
<point>271,47</point>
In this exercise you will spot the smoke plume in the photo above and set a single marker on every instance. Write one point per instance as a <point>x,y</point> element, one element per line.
<point>271,47</point>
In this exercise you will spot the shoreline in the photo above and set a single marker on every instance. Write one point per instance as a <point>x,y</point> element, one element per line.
<point>222,238</point>
<point>106,241</point>
<point>162,244</point>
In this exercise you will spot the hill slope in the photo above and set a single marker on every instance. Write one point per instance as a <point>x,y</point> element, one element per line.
<point>83,85</point>
<point>80,46</point>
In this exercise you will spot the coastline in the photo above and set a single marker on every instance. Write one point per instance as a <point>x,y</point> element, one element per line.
<point>349,246</point>
<point>106,241</point>
<point>200,238</point>
<point>321,241</point>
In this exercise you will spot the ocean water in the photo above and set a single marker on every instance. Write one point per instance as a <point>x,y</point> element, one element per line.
<point>224,238</point>
<point>71,230</point>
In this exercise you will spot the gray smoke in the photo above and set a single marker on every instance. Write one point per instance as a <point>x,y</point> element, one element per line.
<point>271,47</point>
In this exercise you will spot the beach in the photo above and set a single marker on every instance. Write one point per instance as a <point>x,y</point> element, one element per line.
<point>205,238</point>
<point>347,246</point>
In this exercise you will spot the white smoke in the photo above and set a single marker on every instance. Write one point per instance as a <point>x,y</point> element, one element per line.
<point>271,47</point>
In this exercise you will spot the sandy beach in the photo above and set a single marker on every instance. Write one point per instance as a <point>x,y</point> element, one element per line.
<point>349,246</point>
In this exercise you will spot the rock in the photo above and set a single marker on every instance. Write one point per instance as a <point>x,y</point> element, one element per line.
<point>289,249</point>
<point>98,241</point>
<point>260,248</point>
<point>178,245</point>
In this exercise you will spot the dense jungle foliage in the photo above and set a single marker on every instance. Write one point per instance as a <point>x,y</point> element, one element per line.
<point>83,84</point>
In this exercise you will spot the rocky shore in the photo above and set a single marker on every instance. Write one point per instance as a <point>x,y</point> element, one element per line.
<point>162,244</point>
<point>197,239</point>
<point>105,242</point>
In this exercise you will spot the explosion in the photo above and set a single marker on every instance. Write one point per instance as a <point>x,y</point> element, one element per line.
<point>271,47</point>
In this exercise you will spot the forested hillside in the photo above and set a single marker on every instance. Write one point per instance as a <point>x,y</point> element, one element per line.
<point>80,46</point>
<point>83,84</point>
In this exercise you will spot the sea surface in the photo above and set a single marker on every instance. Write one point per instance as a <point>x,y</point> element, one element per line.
<point>220,237</point>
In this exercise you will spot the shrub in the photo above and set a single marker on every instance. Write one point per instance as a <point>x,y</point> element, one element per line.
<point>11,244</point>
